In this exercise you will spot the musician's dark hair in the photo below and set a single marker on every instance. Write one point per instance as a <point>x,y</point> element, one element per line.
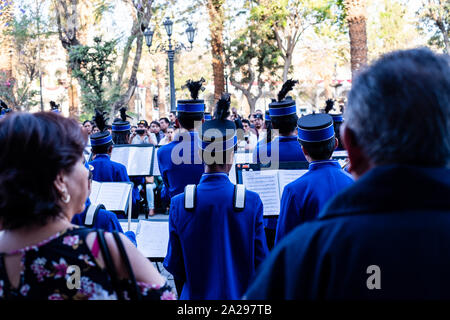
<point>85,121</point>
<point>285,124</point>
<point>188,119</point>
<point>35,149</point>
<point>102,149</point>
<point>120,137</point>
<point>319,150</point>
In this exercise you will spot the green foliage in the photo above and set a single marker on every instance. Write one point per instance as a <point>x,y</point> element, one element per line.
<point>19,95</point>
<point>434,20</point>
<point>96,64</point>
<point>252,51</point>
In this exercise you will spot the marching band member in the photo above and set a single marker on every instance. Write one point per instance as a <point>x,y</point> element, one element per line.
<point>179,161</point>
<point>216,228</point>
<point>303,199</point>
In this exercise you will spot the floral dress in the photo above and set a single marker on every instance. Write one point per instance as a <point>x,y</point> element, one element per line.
<point>47,271</point>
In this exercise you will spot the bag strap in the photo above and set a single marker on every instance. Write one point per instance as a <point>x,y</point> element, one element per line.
<point>239,197</point>
<point>135,294</point>
<point>189,196</point>
<point>91,214</point>
<point>109,264</point>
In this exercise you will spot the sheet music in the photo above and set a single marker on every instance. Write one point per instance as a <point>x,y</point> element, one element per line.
<point>95,189</point>
<point>153,238</point>
<point>266,184</point>
<point>113,195</point>
<point>287,176</point>
<point>340,154</point>
<point>121,155</point>
<point>156,171</point>
<point>133,225</point>
<point>139,161</point>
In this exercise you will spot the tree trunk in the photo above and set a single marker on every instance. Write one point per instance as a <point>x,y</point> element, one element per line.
<point>444,31</point>
<point>356,18</point>
<point>358,44</point>
<point>216,17</point>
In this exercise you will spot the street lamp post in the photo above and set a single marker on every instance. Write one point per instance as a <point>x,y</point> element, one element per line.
<point>170,50</point>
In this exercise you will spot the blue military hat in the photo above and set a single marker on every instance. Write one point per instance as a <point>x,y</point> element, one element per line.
<point>122,124</point>
<point>103,137</point>
<point>315,128</point>
<point>194,105</point>
<point>337,117</point>
<point>284,106</point>
<point>219,135</point>
<point>207,116</point>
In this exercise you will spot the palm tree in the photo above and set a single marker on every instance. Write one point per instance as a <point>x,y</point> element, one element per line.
<point>356,18</point>
<point>216,21</point>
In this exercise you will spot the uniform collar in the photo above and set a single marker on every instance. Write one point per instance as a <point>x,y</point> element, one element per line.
<point>314,165</point>
<point>214,177</point>
<point>189,135</point>
<point>102,155</point>
<point>287,138</point>
<point>393,188</point>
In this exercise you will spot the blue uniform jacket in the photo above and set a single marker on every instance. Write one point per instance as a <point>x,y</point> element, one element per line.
<point>288,150</point>
<point>106,170</point>
<point>214,249</point>
<point>105,220</point>
<point>179,163</point>
<point>303,198</point>
<point>395,218</point>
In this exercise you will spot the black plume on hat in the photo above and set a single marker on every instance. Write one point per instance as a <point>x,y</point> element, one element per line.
<point>287,86</point>
<point>223,107</point>
<point>123,114</point>
<point>3,105</point>
<point>194,87</point>
<point>100,120</point>
<point>329,105</point>
<point>53,105</point>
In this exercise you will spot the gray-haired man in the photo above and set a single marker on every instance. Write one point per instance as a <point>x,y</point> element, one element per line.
<point>387,236</point>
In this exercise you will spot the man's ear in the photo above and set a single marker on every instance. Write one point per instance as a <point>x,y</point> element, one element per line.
<point>359,162</point>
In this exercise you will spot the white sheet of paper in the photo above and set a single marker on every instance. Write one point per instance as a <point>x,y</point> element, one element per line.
<point>243,157</point>
<point>156,171</point>
<point>340,153</point>
<point>114,195</point>
<point>153,238</point>
<point>139,161</point>
<point>120,155</point>
<point>287,176</point>
<point>266,184</point>
<point>133,226</point>
<point>95,189</point>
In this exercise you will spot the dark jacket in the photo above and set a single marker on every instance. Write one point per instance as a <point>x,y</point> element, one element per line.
<point>395,218</point>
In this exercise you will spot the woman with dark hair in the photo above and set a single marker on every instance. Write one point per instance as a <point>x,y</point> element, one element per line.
<point>39,247</point>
